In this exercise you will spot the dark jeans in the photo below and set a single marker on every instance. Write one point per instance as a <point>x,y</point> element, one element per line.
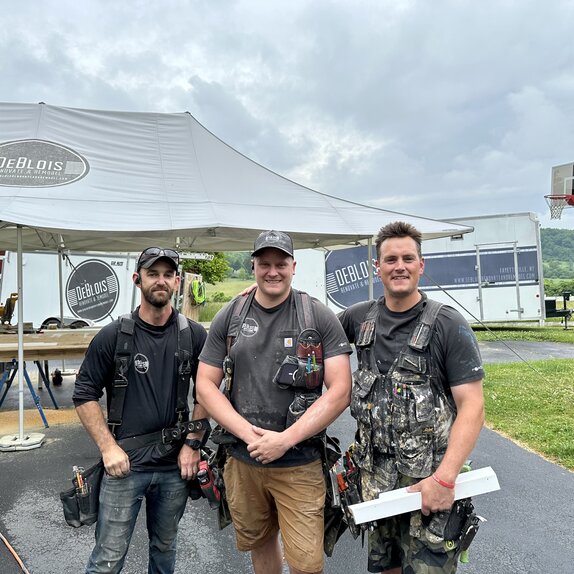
<point>120,501</point>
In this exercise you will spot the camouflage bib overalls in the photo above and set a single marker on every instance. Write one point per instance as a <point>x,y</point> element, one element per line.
<point>403,417</point>
<point>403,423</point>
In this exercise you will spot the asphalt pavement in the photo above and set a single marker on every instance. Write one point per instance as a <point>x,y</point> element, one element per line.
<point>528,528</point>
<point>524,351</point>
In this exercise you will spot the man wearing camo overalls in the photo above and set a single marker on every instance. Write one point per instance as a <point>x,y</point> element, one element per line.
<point>417,397</point>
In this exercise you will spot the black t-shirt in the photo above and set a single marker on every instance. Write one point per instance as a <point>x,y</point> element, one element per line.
<point>453,346</point>
<point>266,337</point>
<point>151,394</point>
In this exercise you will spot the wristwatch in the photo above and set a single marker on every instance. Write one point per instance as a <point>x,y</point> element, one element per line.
<point>193,443</point>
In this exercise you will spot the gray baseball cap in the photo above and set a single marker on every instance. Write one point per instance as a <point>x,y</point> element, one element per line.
<point>275,239</point>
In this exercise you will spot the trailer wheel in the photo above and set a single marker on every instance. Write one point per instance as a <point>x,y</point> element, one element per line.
<point>78,324</point>
<point>50,321</point>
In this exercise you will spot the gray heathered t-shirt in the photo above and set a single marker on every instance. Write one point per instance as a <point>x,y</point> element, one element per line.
<point>266,337</point>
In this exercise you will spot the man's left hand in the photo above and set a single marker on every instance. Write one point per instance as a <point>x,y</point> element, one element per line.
<point>434,496</point>
<point>269,446</point>
<point>188,462</point>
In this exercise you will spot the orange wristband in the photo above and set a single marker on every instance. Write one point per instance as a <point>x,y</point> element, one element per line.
<point>450,485</point>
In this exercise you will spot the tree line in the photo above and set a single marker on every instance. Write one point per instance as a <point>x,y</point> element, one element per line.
<point>557,253</point>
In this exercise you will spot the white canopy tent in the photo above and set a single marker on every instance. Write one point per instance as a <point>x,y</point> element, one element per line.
<point>122,180</point>
<point>89,180</point>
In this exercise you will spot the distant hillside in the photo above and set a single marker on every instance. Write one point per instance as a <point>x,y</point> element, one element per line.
<point>557,253</point>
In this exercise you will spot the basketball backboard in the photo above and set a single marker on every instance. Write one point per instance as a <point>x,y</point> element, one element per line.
<point>562,190</point>
<point>562,179</point>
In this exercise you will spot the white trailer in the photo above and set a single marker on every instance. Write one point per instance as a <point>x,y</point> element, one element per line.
<point>94,288</point>
<point>491,274</point>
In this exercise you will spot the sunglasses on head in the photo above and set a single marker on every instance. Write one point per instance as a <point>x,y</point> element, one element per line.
<point>152,252</point>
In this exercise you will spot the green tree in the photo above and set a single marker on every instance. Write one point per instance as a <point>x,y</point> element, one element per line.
<point>212,271</point>
<point>240,264</point>
<point>238,260</point>
<point>555,287</point>
<point>234,259</point>
<point>557,252</point>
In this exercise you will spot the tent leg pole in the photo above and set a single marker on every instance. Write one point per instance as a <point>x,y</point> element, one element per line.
<point>31,440</point>
<point>20,335</point>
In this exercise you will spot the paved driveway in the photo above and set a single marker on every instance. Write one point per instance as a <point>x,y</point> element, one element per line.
<point>529,528</point>
<point>515,351</point>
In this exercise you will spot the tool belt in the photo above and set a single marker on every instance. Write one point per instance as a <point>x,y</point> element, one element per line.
<point>81,502</point>
<point>169,435</point>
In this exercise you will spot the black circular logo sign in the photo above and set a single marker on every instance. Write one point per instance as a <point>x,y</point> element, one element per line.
<point>92,290</point>
<point>39,163</point>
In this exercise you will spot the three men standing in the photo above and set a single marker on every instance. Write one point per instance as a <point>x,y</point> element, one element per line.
<point>416,396</point>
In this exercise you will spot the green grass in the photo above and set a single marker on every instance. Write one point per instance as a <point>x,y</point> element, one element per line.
<point>208,311</point>
<point>532,403</point>
<point>552,333</point>
<point>229,288</point>
<point>534,407</point>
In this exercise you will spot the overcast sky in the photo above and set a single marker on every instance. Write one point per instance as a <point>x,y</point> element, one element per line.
<point>442,108</point>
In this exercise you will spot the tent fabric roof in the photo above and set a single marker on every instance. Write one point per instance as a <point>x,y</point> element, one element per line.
<point>164,179</point>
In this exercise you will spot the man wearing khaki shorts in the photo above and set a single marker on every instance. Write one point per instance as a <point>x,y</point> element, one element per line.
<point>273,475</point>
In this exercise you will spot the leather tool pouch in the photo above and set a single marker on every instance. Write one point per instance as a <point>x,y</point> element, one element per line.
<point>459,525</point>
<point>462,525</point>
<point>81,504</point>
<point>305,370</point>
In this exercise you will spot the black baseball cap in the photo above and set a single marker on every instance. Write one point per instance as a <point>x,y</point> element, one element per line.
<point>152,254</point>
<point>275,239</point>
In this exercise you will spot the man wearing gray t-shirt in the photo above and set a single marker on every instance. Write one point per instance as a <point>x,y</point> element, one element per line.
<point>273,475</point>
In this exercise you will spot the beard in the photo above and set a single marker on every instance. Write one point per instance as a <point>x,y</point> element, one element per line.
<point>157,298</point>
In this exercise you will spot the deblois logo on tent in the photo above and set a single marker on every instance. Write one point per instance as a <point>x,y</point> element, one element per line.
<point>40,163</point>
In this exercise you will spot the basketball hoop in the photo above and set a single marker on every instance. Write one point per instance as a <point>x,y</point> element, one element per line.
<point>557,203</point>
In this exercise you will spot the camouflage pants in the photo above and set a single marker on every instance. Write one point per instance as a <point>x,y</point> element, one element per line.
<point>403,541</point>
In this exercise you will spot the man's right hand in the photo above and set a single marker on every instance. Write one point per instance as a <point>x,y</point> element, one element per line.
<point>116,461</point>
<point>248,290</point>
<point>434,497</point>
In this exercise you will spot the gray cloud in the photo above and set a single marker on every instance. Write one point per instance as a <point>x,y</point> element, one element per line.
<point>443,109</point>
